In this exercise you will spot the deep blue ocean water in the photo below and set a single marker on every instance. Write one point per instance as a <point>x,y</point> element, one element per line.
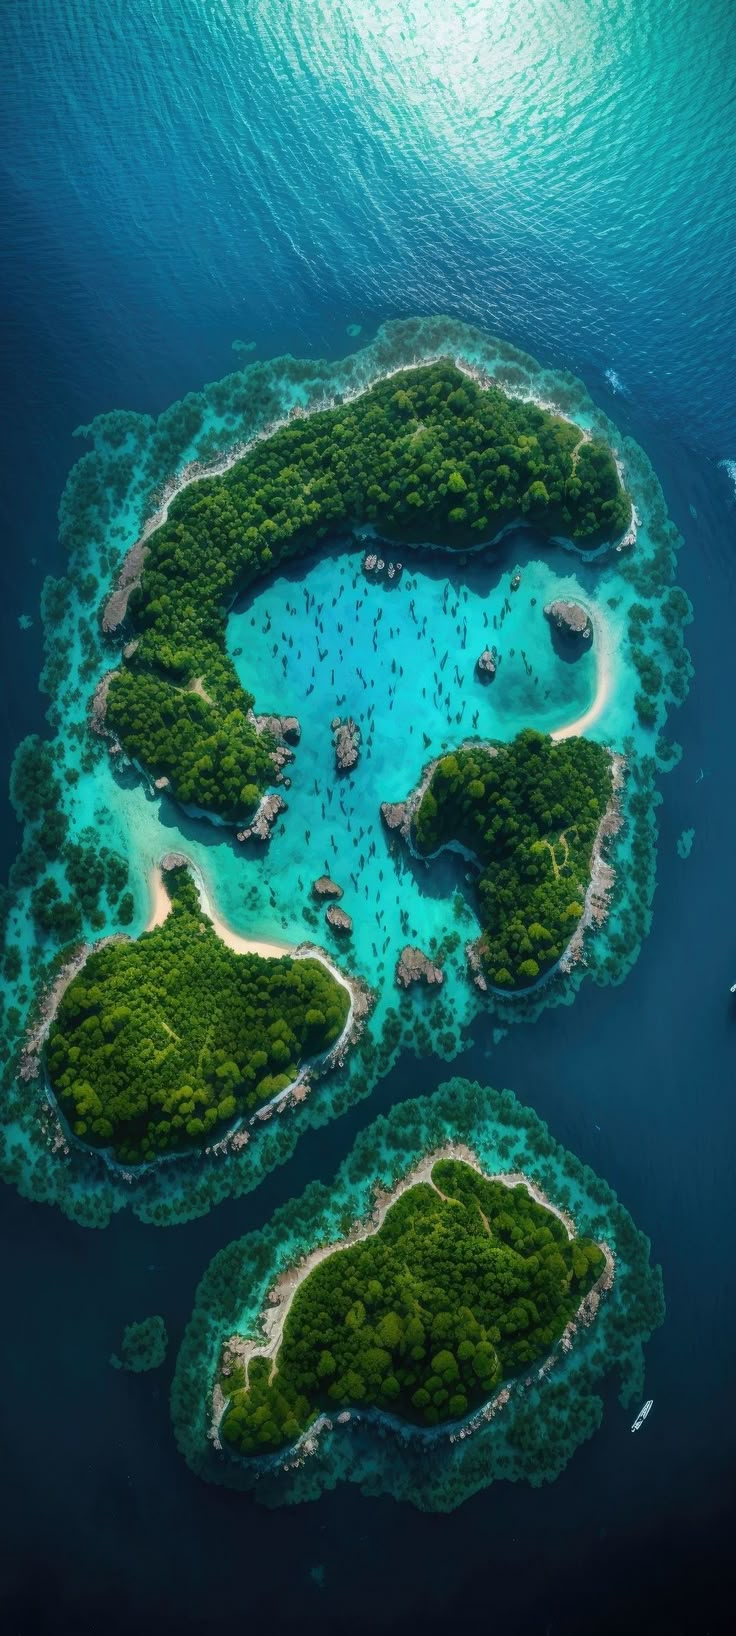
<point>178,174</point>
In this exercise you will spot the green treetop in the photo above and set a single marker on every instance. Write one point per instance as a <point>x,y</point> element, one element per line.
<point>425,455</point>
<point>162,1043</point>
<point>466,1283</point>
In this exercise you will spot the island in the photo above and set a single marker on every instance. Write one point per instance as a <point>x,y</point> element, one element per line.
<point>348,459</point>
<point>162,1043</point>
<point>529,814</point>
<point>426,455</point>
<point>436,1319</point>
<point>466,1282</point>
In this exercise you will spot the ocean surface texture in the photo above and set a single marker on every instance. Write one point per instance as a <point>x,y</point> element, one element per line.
<point>182,177</point>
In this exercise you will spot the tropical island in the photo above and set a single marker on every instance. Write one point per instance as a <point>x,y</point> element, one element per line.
<point>92,826</point>
<point>162,1043</point>
<point>467,1281</point>
<point>426,455</point>
<point>528,813</point>
<point>436,1319</point>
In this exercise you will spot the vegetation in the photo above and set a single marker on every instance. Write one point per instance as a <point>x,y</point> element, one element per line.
<point>424,455</point>
<point>143,1346</point>
<point>160,1044</point>
<point>466,1282</point>
<point>88,869</point>
<point>529,811</point>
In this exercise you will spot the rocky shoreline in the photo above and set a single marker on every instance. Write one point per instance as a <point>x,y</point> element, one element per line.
<point>238,1349</point>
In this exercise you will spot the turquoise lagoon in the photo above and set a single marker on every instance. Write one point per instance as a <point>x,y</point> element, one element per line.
<point>407,675</point>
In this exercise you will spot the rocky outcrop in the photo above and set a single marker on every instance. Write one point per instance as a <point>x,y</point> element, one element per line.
<point>175,860</point>
<point>376,567</point>
<point>116,606</point>
<point>338,920</point>
<point>266,814</point>
<point>485,665</point>
<point>325,887</point>
<point>98,713</point>
<point>395,814</point>
<point>286,731</point>
<point>570,619</point>
<point>280,727</point>
<point>346,739</point>
<point>416,967</point>
<point>473,955</point>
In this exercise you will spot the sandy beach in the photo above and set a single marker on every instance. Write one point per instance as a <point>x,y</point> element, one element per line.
<point>604,681</point>
<point>161,905</point>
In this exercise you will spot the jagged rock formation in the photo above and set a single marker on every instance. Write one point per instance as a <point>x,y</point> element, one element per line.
<point>338,920</point>
<point>374,567</point>
<point>265,817</point>
<point>571,619</point>
<point>280,727</point>
<point>394,814</point>
<point>116,606</point>
<point>175,860</point>
<point>346,739</point>
<point>485,665</point>
<point>416,967</point>
<point>325,887</point>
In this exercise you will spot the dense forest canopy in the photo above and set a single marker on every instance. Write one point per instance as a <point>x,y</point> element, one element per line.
<point>424,455</point>
<point>159,1044</point>
<point>529,811</point>
<point>466,1283</point>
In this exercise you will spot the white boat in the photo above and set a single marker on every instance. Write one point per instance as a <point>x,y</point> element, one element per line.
<point>642,1415</point>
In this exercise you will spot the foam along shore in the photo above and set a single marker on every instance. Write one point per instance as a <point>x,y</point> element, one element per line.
<point>604,678</point>
<point>280,1297</point>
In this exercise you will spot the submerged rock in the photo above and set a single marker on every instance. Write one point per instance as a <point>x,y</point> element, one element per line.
<point>416,967</point>
<point>325,887</point>
<point>485,665</point>
<point>346,739</point>
<point>338,920</point>
<point>571,619</point>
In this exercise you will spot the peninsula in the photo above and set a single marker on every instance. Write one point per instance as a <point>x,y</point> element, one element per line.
<point>162,1043</point>
<point>528,814</point>
<point>426,455</point>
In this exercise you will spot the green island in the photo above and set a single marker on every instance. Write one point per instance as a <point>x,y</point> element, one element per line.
<point>163,1042</point>
<point>88,828</point>
<point>437,1318</point>
<point>466,1282</point>
<point>144,1346</point>
<point>426,455</point>
<point>529,811</point>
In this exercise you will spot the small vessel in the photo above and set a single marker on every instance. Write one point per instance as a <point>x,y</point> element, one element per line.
<point>733,988</point>
<point>642,1415</point>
